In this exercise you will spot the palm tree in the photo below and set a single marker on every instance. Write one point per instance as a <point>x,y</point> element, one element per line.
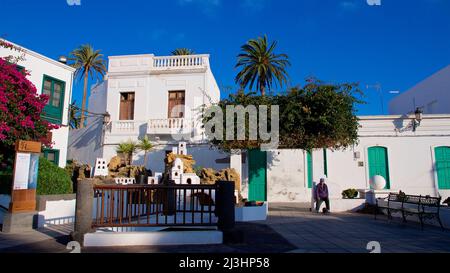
<point>183,51</point>
<point>127,149</point>
<point>88,62</point>
<point>74,115</point>
<point>261,65</point>
<point>145,145</point>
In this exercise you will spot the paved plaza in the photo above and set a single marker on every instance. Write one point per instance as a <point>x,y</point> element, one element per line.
<point>290,228</point>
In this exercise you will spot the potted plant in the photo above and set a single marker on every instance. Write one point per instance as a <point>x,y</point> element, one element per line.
<point>146,146</point>
<point>126,150</point>
<point>141,175</point>
<point>350,194</point>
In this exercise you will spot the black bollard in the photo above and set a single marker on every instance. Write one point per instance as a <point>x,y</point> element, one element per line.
<point>225,205</point>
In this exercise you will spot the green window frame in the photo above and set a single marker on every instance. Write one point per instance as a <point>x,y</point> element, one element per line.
<point>442,165</point>
<point>51,155</point>
<point>55,89</point>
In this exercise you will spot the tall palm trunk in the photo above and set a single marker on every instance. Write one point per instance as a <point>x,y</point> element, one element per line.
<point>263,90</point>
<point>83,103</point>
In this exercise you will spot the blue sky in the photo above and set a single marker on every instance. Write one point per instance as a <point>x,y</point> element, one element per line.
<point>396,44</point>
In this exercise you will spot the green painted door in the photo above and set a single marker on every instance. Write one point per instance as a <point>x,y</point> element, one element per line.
<point>309,166</point>
<point>379,164</point>
<point>442,155</point>
<point>257,173</point>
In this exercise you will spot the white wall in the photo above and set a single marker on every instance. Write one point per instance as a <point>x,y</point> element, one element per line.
<point>410,156</point>
<point>432,94</point>
<point>38,66</point>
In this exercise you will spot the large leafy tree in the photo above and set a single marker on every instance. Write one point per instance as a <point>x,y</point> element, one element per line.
<point>261,66</point>
<point>317,115</point>
<point>183,51</point>
<point>89,63</point>
<point>20,111</point>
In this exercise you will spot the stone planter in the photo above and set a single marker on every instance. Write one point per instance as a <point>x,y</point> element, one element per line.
<point>253,213</point>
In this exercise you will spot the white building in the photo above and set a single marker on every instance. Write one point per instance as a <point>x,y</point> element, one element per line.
<point>140,93</point>
<point>432,95</point>
<point>416,162</point>
<point>160,97</point>
<point>55,79</point>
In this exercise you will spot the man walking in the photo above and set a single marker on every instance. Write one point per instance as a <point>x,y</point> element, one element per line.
<point>321,195</point>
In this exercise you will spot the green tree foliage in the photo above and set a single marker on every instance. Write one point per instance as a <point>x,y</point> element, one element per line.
<point>182,52</point>
<point>261,66</point>
<point>318,115</point>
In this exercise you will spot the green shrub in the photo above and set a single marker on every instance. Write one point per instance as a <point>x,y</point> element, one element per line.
<point>53,179</point>
<point>350,193</point>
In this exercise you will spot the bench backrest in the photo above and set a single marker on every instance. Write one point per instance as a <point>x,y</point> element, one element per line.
<point>415,199</point>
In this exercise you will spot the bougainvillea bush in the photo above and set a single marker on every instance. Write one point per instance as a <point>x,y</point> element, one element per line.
<point>20,111</point>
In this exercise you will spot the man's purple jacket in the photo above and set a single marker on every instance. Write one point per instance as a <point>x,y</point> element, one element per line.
<point>321,191</point>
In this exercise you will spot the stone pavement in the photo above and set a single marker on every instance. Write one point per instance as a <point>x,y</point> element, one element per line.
<point>350,232</point>
<point>290,228</point>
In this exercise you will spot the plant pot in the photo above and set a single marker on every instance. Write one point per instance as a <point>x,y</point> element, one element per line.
<point>141,179</point>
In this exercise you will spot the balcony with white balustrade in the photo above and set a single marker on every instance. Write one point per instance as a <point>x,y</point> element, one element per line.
<point>149,63</point>
<point>166,126</point>
<point>169,126</point>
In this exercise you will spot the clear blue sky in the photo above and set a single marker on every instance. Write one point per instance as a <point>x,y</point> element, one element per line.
<point>397,44</point>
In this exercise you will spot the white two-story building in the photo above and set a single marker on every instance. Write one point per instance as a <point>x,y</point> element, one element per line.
<point>160,97</point>
<point>55,79</point>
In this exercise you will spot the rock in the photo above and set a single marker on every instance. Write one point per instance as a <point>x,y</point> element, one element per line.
<point>188,162</point>
<point>115,163</point>
<point>210,176</point>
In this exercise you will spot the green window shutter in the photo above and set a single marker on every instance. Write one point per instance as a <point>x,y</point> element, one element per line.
<point>55,89</point>
<point>309,166</point>
<point>442,156</point>
<point>379,163</point>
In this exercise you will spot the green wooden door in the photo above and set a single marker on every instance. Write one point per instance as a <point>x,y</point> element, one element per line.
<point>442,155</point>
<point>379,164</point>
<point>309,166</point>
<point>257,173</point>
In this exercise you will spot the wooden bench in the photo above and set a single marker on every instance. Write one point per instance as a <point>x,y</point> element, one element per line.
<point>425,207</point>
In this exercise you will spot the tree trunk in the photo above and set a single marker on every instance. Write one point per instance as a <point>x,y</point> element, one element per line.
<point>83,103</point>
<point>263,90</point>
<point>145,160</point>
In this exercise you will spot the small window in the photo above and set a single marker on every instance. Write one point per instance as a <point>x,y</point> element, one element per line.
<point>53,88</point>
<point>126,106</point>
<point>51,155</point>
